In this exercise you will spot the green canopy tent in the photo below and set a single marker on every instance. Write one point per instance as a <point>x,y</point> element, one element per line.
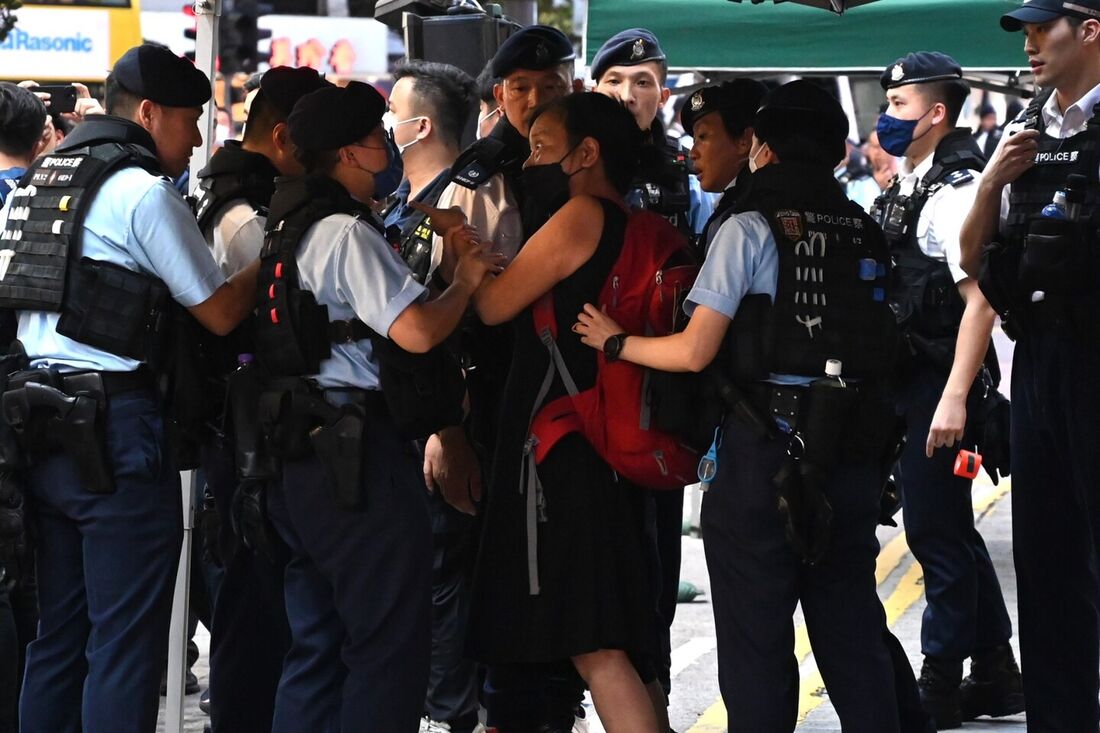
<point>717,35</point>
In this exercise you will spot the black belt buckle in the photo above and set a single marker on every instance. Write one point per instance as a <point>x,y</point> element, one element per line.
<point>785,405</point>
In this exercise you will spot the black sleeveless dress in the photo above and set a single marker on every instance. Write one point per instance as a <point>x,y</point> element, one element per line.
<point>595,559</point>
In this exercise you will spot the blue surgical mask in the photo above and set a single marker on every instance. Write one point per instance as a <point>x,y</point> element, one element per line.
<point>895,136</point>
<point>387,180</point>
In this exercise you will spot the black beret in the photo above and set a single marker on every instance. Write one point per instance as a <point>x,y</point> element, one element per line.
<point>22,117</point>
<point>333,116</point>
<point>153,72</point>
<point>920,68</point>
<point>626,48</point>
<point>739,95</point>
<point>1044,11</point>
<point>986,109</point>
<point>283,86</point>
<point>535,47</point>
<point>803,109</point>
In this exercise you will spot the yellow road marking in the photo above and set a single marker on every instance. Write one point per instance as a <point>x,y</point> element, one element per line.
<point>908,591</point>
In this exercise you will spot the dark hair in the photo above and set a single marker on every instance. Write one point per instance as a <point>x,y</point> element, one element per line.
<point>64,124</point>
<point>736,121</point>
<point>119,101</point>
<point>609,123</point>
<point>316,161</point>
<point>442,92</point>
<point>22,120</point>
<point>485,82</point>
<point>952,93</point>
<point>262,118</point>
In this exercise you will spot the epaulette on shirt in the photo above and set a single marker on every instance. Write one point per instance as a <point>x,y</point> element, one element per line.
<point>479,162</point>
<point>958,178</point>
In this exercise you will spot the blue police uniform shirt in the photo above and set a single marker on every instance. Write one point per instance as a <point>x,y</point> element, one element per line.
<point>350,268</point>
<point>9,178</point>
<point>139,221</point>
<point>742,260</point>
<point>702,205</point>
<point>400,214</point>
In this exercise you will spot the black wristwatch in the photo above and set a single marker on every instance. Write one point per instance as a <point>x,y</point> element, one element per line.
<point>614,346</point>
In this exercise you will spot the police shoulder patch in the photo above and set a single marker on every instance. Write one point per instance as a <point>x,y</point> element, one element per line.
<point>958,178</point>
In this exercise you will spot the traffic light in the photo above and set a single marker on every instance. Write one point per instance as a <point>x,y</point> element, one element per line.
<point>239,35</point>
<point>190,33</point>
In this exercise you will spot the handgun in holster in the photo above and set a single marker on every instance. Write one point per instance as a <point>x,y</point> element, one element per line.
<point>43,416</point>
<point>336,437</point>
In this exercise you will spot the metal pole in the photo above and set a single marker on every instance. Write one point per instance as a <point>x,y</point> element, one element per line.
<point>177,633</point>
<point>207,15</point>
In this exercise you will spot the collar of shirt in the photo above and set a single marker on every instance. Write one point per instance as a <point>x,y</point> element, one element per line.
<point>909,177</point>
<point>1073,120</point>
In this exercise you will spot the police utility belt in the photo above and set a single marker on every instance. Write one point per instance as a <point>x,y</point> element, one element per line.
<point>300,419</point>
<point>51,412</point>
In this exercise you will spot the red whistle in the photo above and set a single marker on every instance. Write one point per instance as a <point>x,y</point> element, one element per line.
<point>967,464</point>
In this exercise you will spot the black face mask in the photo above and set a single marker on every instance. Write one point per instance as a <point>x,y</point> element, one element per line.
<point>545,190</point>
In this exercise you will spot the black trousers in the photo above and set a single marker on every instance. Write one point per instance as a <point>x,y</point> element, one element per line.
<point>966,610</point>
<point>249,637</point>
<point>452,685</point>
<point>1056,528</point>
<point>757,581</point>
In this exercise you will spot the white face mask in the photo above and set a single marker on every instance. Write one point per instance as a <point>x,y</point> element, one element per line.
<point>391,123</point>
<point>753,167</point>
<point>481,121</point>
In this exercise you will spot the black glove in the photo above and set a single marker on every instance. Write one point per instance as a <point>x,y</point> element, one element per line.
<point>209,526</point>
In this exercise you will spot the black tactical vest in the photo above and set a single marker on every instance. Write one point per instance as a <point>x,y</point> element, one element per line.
<point>1072,282</point>
<point>101,304</point>
<point>834,267</point>
<point>293,331</point>
<point>663,187</point>
<point>233,173</point>
<point>413,240</point>
<point>1056,160</point>
<point>923,292</point>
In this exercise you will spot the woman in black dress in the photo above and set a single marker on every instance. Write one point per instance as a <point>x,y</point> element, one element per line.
<point>584,593</point>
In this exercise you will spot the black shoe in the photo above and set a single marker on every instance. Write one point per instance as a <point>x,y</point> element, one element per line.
<point>939,691</point>
<point>190,687</point>
<point>994,687</point>
<point>204,701</point>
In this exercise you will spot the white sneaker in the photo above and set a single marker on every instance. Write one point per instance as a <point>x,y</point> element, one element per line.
<point>427,725</point>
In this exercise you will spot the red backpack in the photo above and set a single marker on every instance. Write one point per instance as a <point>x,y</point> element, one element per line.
<point>642,294</point>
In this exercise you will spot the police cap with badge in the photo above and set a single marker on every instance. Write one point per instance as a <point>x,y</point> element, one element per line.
<point>535,48</point>
<point>153,72</point>
<point>920,67</point>
<point>1044,11</point>
<point>739,98</point>
<point>626,48</point>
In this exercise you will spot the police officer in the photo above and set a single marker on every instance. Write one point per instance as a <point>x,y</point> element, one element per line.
<point>249,635</point>
<point>22,116</point>
<point>763,558</point>
<point>721,143</point>
<point>947,323</point>
<point>1041,278</point>
<point>427,110</point>
<point>359,580</point>
<point>533,66</point>
<point>631,67</point>
<point>105,491</point>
